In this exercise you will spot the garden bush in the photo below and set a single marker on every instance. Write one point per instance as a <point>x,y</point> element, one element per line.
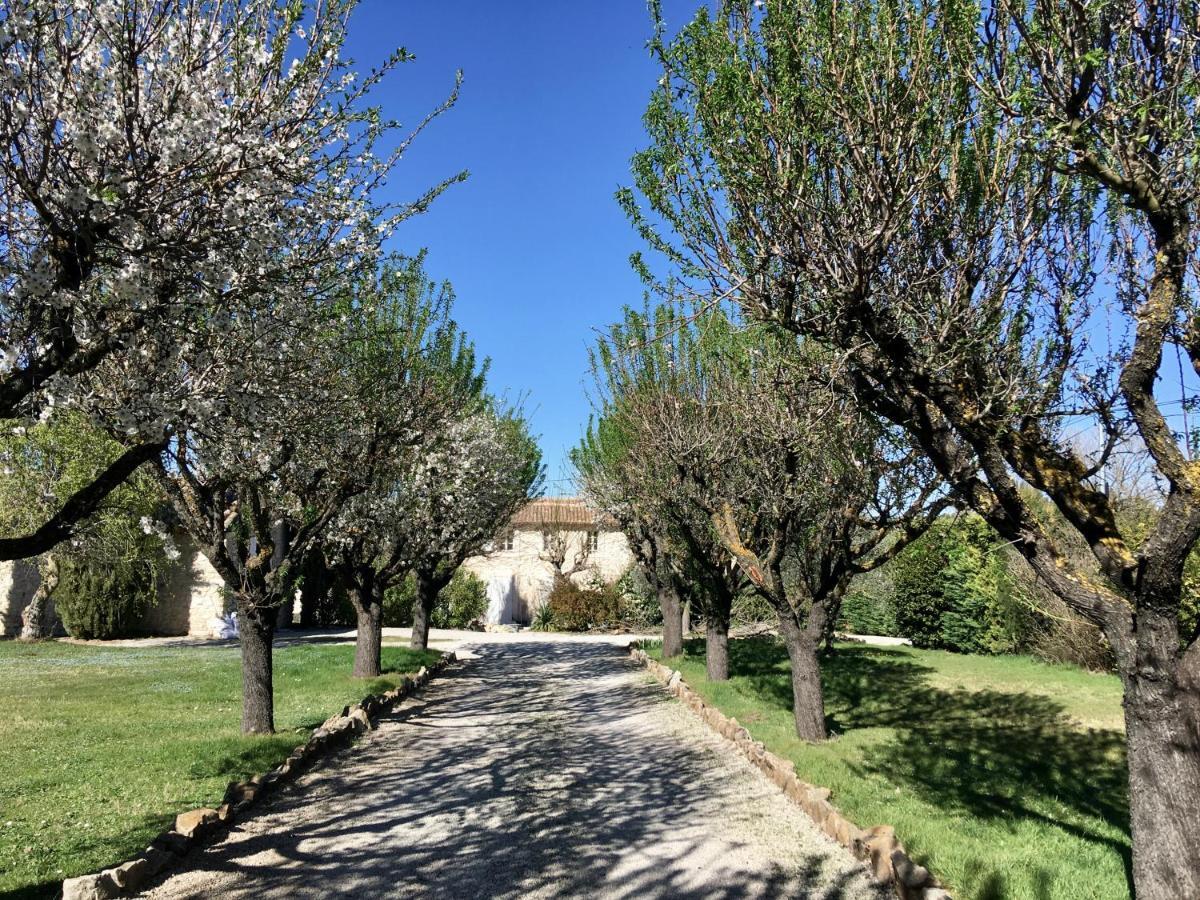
<point>461,604</point>
<point>954,591</point>
<point>111,579</point>
<point>864,613</point>
<point>574,607</point>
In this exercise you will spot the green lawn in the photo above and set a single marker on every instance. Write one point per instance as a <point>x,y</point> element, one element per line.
<point>104,745</point>
<point>1004,775</point>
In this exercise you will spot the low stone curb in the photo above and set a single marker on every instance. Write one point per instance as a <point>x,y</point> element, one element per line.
<point>877,847</point>
<point>200,825</point>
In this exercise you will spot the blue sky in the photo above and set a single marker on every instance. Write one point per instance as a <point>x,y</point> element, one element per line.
<point>533,242</point>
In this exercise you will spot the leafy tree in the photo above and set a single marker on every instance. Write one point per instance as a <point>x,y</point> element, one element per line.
<point>657,479</point>
<point>602,460</point>
<point>461,495</point>
<point>926,189</point>
<point>430,380</point>
<point>798,488</point>
<point>120,542</point>
<point>167,163</point>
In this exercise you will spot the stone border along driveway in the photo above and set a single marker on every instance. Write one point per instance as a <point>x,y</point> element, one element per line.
<point>200,825</point>
<point>877,847</point>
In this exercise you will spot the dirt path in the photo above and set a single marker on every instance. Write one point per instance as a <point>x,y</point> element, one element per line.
<point>539,769</point>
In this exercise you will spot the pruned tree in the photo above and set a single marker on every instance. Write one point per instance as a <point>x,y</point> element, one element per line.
<point>778,470</point>
<point>460,496</point>
<point>926,188</point>
<point>647,368</point>
<point>432,381</point>
<point>600,462</point>
<point>166,162</point>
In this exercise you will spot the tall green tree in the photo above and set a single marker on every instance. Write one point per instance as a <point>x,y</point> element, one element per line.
<point>926,188</point>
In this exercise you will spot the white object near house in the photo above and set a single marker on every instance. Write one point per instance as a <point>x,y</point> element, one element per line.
<point>500,591</point>
<point>594,550</point>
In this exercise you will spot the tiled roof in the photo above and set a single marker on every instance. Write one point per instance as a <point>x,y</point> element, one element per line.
<point>570,512</point>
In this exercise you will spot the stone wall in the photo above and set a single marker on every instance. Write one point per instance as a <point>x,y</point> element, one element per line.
<point>191,596</point>
<point>533,577</point>
<point>18,581</point>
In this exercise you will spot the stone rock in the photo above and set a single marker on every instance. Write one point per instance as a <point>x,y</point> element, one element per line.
<point>172,842</point>
<point>89,887</point>
<point>131,875</point>
<point>359,715</point>
<point>907,871</point>
<point>880,843</point>
<point>157,859</point>
<point>936,894</point>
<point>192,822</point>
<point>673,681</point>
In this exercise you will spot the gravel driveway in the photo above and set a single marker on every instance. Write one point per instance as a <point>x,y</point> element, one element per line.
<point>537,768</point>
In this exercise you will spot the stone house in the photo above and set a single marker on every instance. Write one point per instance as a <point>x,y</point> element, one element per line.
<point>545,537</point>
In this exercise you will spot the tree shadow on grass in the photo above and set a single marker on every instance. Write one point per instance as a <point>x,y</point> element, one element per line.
<point>987,754</point>
<point>234,758</point>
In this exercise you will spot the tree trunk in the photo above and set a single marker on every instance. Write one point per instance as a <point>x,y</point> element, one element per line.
<point>35,621</point>
<point>686,616</point>
<point>717,613</point>
<point>368,643</point>
<point>1162,733</point>
<point>280,535</point>
<point>808,699</point>
<point>716,652</point>
<point>256,631</point>
<point>672,610</point>
<point>423,604</point>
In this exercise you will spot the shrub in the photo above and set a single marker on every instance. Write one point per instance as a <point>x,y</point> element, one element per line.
<point>864,613</point>
<point>576,608</point>
<point>543,618</point>
<point>461,604</point>
<point>750,608</point>
<point>954,591</point>
<point>110,578</point>
<point>637,606</point>
<point>104,599</point>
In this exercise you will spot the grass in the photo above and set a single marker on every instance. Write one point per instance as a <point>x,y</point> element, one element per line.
<point>1004,775</point>
<point>104,745</point>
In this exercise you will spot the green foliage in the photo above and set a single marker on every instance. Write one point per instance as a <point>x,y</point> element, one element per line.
<point>103,599</point>
<point>866,613</point>
<point>461,604</point>
<point>638,608</point>
<point>398,603</point>
<point>953,591</point>
<point>543,619</point>
<point>577,608</point>
<point>109,572</point>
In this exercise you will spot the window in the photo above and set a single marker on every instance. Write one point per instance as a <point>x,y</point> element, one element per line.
<point>593,541</point>
<point>507,542</point>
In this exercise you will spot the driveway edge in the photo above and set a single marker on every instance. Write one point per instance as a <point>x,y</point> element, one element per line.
<point>198,826</point>
<point>877,847</point>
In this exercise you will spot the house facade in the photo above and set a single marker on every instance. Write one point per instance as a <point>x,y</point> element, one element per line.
<point>547,537</point>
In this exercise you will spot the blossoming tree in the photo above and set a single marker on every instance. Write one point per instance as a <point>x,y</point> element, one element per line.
<point>460,496</point>
<point>166,162</point>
